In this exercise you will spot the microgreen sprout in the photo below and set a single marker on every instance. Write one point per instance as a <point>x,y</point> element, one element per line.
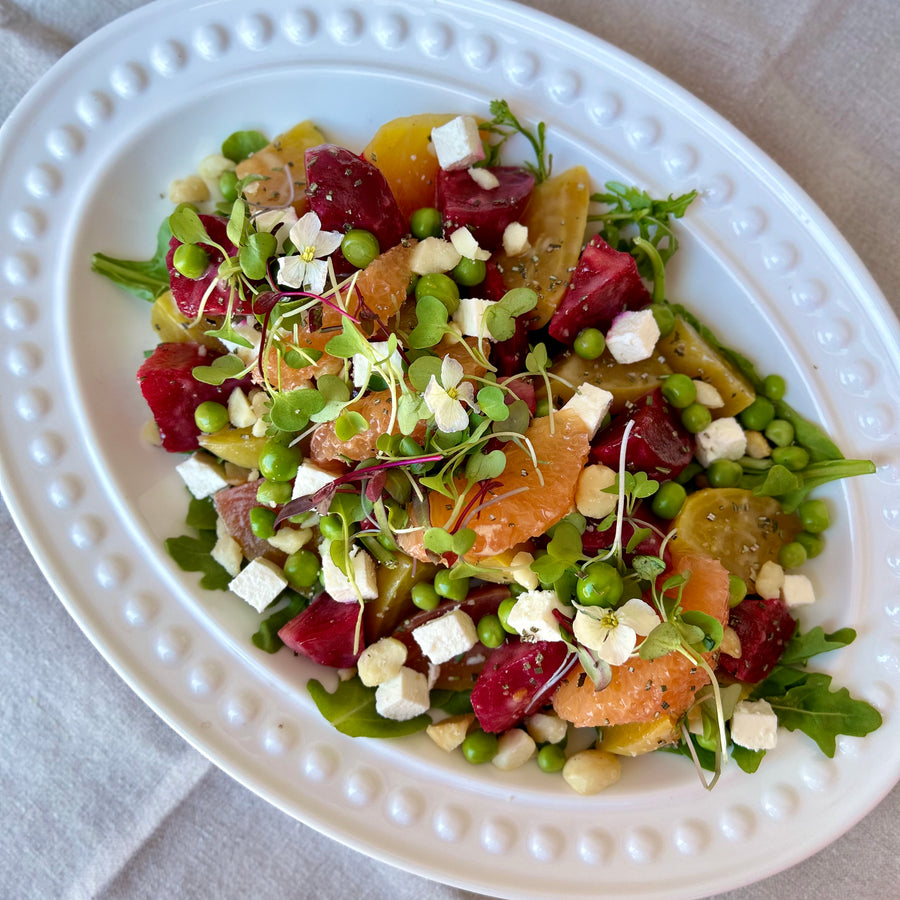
<point>505,124</point>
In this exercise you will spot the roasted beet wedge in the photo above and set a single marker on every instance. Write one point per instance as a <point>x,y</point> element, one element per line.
<point>233,504</point>
<point>605,282</point>
<point>325,632</point>
<point>517,680</point>
<point>167,382</point>
<point>658,443</point>
<point>188,293</point>
<point>486,213</point>
<point>764,627</point>
<point>346,191</point>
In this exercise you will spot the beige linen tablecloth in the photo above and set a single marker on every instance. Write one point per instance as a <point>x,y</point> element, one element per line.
<point>101,799</point>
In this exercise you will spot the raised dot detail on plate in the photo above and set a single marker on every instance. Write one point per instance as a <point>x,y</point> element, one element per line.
<point>19,313</point>
<point>169,58</point>
<point>94,108</point>
<point>498,835</point>
<point>605,109</point>
<point>834,336</point>
<point>737,823</point>
<point>819,774</point>
<point>405,806</point>
<point>479,51</point>
<point>206,678</point>
<point>546,844</point>
<point>140,610</point>
<point>877,422</point>
<point>363,787</point>
<point>65,142</point>
<point>47,449</point>
<point>20,268</point>
<point>858,377</point>
<point>750,223</point>
<point>300,26</point>
<point>172,645</point>
<point>691,838</point>
<point>65,491</point>
<point>42,181</point>
<point>346,26</point>
<point>240,709</point>
<point>643,134</point>
<point>780,802</point>
<point>522,68</point>
<point>435,39</point>
<point>450,823</point>
<point>391,31</point>
<point>111,572</point>
<point>809,296</point>
<point>256,31</point>
<point>780,257</point>
<point>681,160</point>
<point>596,847</point>
<point>319,763</point>
<point>643,845</point>
<point>27,224</point>
<point>128,80</point>
<point>24,360</point>
<point>565,87</point>
<point>279,738</point>
<point>211,41</point>
<point>881,695</point>
<point>33,404</point>
<point>717,192</point>
<point>891,516</point>
<point>87,532</point>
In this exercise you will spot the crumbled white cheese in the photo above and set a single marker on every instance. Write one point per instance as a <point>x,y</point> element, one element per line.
<point>754,725</point>
<point>402,697</point>
<point>339,586</point>
<point>514,748</point>
<point>290,540</point>
<point>446,636</point>
<point>228,554</point>
<point>202,475</point>
<point>381,661</point>
<point>433,255</point>
<point>240,412</point>
<point>769,580</point>
<point>384,365</point>
<point>591,404</point>
<point>721,439</point>
<point>591,500</point>
<point>484,178</point>
<point>532,616</point>
<point>457,143</point>
<point>797,590</point>
<point>515,239</point>
<point>708,395</point>
<point>258,583</point>
<point>469,316</point>
<point>633,336</point>
<point>310,478</point>
<point>466,245</point>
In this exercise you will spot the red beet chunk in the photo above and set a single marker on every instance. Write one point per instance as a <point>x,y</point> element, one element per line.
<point>188,293</point>
<point>325,632</point>
<point>172,392</point>
<point>658,443</point>
<point>764,627</point>
<point>605,283</point>
<point>233,504</point>
<point>486,214</point>
<point>516,681</point>
<point>346,191</point>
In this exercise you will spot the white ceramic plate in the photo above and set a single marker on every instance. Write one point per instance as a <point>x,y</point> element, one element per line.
<point>85,159</point>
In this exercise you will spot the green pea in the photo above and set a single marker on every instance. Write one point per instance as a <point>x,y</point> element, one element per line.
<point>469,272</point>
<point>737,590</point>
<point>779,432</point>
<point>241,144</point>
<point>279,462</point>
<point>449,587</point>
<point>813,544</point>
<point>792,555</point>
<point>665,318</point>
<point>774,387</point>
<point>793,458</point>
<point>679,390</point>
<point>601,585</point>
<point>425,223</point>
<point>210,416</point>
<point>359,247</point>
<point>331,527</point>
<point>814,515</point>
<point>262,522</point>
<point>302,569</point>
<point>724,473</point>
<point>589,343</point>
<point>758,414</point>
<point>551,758</point>
<point>479,747</point>
<point>490,631</point>
<point>425,596</point>
<point>228,185</point>
<point>668,499</point>
<point>191,260</point>
<point>277,492</point>
<point>503,612</point>
<point>441,286</point>
<point>688,472</point>
<point>542,407</point>
<point>695,417</point>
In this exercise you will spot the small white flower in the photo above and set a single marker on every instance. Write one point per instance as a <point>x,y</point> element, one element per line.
<point>445,400</point>
<point>612,633</point>
<point>307,268</point>
<point>276,219</point>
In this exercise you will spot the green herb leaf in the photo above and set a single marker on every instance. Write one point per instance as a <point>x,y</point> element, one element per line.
<point>219,370</point>
<point>192,554</point>
<point>147,279</point>
<point>505,124</point>
<point>350,341</point>
<point>662,640</point>
<point>349,424</point>
<point>255,254</point>
<point>201,514</point>
<point>431,316</point>
<point>291,410</point>
<point>485,466</point>
<point>266,637</point>
<point>492,402</point>
<point>500,318</point>
<point>187,227</point>
<point>802,647</point>
<point>422,369</point>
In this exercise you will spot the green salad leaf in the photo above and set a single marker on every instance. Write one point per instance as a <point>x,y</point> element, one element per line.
<point>147,279</point>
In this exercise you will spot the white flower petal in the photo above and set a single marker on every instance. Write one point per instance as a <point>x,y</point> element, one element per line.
<point>466,393</point>
<point>638,615</point>
<point>618,645</point>
<point>612,644</point>
<point>304,230</point>
<point>451,417</point>
<point>291,271</point>
<point>327,242</point>
<point>316,275</point>
<point>451,372</point>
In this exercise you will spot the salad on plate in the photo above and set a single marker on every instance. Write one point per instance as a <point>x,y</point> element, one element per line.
<point>442,426</point>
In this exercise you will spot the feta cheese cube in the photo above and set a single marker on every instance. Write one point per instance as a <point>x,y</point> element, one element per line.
<point>591,404</point>
<point>591,499</point>
<point>457,143</point>
<point>469,316</point>
<point>240,412</point>
<point>769,580</point>
<point>447,636</point>
<point>258,583</point>
<point>339,586</point>
<point>381,661</point>
<point>797,590</point>
<point>633,336</point>
<point>202,475</point>
<point>707,395</point>
<point>754,725</point>
<point>290,540</point>
<point>484,178</point>
<point>514,748</point>
<point>402,697</point>
<point>449,733</point>
<point>310,478</point>
<point>384,365</point>
<point>721,439</point>
<point>433,255</point>
<point>466,245</point>
<point>515,239</point>
<point>532,616</point>
<point>228,554</point>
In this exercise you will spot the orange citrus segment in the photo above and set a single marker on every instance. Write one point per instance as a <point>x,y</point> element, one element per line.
<point>642,690</point>
<point>383,283</point>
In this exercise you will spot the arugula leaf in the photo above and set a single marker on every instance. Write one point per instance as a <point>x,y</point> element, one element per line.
<point>454,703</point>
<point>201,514</point>
<point>748,760</point>
<point>192,554</point>
<point>147,279</point>
<point>351,710</point>
<point>802,647</point>
<point>266,638</point>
